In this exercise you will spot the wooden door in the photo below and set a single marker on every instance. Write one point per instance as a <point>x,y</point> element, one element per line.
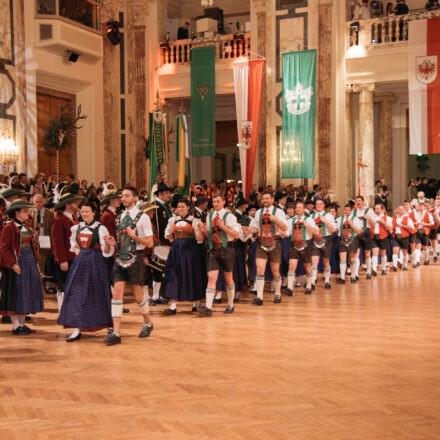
<point>49,103</point>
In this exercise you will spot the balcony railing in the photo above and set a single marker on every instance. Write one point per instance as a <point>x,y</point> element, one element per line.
<point>227,47</point>
<point>383,31</point>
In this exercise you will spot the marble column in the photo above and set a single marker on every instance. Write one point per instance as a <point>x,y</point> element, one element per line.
<point>385,139</point>
<point>366,135</point>
<point>350,160</point>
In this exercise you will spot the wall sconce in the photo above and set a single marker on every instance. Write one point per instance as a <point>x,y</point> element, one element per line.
<point>8,151</point>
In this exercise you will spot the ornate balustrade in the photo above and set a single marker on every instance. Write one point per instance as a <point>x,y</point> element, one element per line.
<point>227,47</point>
<point>385,30</point>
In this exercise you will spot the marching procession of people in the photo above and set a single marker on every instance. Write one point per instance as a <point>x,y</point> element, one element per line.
<point>87,245</point>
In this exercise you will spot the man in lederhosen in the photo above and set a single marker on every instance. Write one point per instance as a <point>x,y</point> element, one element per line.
<point>269,224</point>
<point>402,227</point>
<point>160,219</point>
<point>322,241</point>
<point>221,229</point>
<point>349,228</point>
<point>380,232</point>
<point>301,229</point>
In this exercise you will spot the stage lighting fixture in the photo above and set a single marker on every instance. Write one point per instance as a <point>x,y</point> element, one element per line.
<point>113,33</point>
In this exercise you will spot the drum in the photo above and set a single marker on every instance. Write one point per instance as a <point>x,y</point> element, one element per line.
<point>159,257</point>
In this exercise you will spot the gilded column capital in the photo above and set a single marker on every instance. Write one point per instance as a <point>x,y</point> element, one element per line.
<point>367,87</point>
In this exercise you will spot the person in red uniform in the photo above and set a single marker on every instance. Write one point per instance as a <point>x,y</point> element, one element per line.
<point>66,208</point>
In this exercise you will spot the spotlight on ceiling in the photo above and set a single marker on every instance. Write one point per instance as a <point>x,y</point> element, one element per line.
<point>113,33</point>
<point>72,56</point>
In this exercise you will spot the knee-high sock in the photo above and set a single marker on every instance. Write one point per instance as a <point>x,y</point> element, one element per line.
<point>395,259</point>
<point>230,290</point>
<point>374,260</point>
<point>309,279</point>
<point>15,322</point>
<point>209,297</point>
<point>384,262</point>
<point>60,299</point>
<point>173,305</point>
<point>218,295</point>
<point>353,271</point>
<point>290,280</point>
<point>259,284</point>
<point>405,260</point>
<point>143,306</point>
<point>75,333</point>
<point>196,303</point>
<point>314,274</point>
<point>357,263</point>
<point>145,292</point>
<point>156,289</point>
<point>327,275</point>
<point>117,308</point>
<point>277,286</point>
<point>368,264</point>
<point>417,255</point>
<point>342,269</point>
<point>400,256</point>
<point>21,319</point>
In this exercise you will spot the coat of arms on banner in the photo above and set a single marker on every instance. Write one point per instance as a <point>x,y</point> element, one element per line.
<point>299,100</point>
<point>245,134</point>
<point>202,91</point>
<point>426,69</point>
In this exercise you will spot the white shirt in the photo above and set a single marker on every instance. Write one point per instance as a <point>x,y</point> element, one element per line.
<point>409,223</point>
<point>279,214</point>
<point>367,212</point>
<point>356,222</point>
<point>102,231</point>
<point>388,221</point>
<point>328,217</point>
<point>230,222</point>
<point>419,217</point>
<point>306,220</point>
<point>143,225</point>
<point>178,221</point>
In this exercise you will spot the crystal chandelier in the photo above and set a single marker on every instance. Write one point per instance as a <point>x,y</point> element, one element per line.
<point>207,3</point>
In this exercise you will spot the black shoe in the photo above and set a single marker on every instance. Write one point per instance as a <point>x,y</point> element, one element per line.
<point>194,309</point>
<point>6,319</point>
<point>112,340</point>
<point>229,310</point>
<point>125,310</point>
<point>414,266</point>
<point>257,301</point>
<point>394,269</point>
<point>19,331</point>
<point>435,259</point>
<point>236,300</point>
<point>340,281</point>
<point>399,265</point>
<point>169,312</point>
<point>313,287</point>
<point>357,278</point>
<point>327,286</point>
<point>308,292</point>
<point>110,330</point>
<point>289,292</point>
<point>162,300</point>
<point>284,289</point>
<point>204,311</point>
<point>418,264</point>
<point>426,262</point>
<point>146,331</point>
<point>277,299</point>
<point>76,338</point>
<point>405,268</point>
<point>29,331</point>
<point>353,280</point>
<point>384,271</point>
<point>51,290</point>
<point>368,276</point>
<point>152,302</point>
<point>217,301</point>
<point>374,273</point>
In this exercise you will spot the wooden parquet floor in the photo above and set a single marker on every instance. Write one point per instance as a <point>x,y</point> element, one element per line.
<point>355,362</point>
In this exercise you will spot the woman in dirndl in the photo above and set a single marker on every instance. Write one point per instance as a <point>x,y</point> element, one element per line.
<point>87,300</point>
<point>183,267</point>
<point>22,293</point>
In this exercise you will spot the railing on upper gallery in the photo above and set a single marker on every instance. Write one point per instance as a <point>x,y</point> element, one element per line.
<point>384,31</point>
<point>227,47</point>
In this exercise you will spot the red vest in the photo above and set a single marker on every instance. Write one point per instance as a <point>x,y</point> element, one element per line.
<point>403,231</point>
<point>383,231</point>
<point>412,217</point>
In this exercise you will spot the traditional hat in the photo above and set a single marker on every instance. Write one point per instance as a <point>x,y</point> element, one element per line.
<point>162,187</point>
<point>147,206</point>
<point>241,201</point>
<point>16,205</point>
<point>280,195</point>
<point>10,192</point>
<point>109,192</point>
<point>67,198</point>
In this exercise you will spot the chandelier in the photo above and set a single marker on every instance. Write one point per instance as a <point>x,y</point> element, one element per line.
<point>207,3</point>
<point>8,150</point>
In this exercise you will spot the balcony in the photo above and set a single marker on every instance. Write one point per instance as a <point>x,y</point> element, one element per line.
<point>227,48</point>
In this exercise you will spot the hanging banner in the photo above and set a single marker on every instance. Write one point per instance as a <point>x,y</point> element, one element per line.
<point>158,137</point>
<point>248,82</point>
<point>151,158</point>
<point>424,86</point>
<point>299,115</point>
<point>203,101</point>
<point>182,155</point>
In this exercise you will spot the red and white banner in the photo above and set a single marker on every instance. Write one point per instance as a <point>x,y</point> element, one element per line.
<point>248,81</point>
<point>424,86</point>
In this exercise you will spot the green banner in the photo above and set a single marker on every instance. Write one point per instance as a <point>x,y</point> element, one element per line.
<point>299,114</point>
<point>203,101</point>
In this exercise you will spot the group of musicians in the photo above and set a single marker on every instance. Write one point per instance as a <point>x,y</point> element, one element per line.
<point>187,254</point>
